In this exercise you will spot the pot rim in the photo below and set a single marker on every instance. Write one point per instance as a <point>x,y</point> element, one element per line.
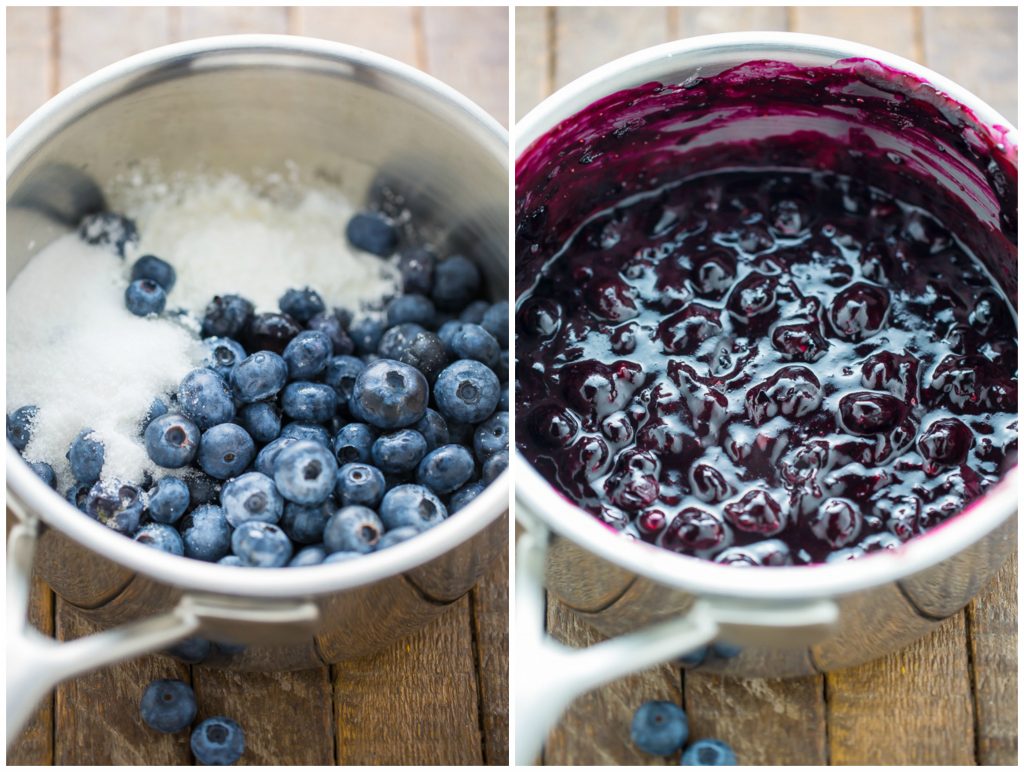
<point>540,500</point>
<point>246,51</point>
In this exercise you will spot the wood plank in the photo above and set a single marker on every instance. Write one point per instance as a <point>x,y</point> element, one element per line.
<point>711,19</point>
<point>534,57</point>
<point>196,21</point>
<point>417,702</point>
<point>766,721</point>
<point>98,714</point>
<point>587,37</point>
<point>891,29</point>
<point>389,31</point>
<point>977,48</point>
<point>992,621</point>
<point>93,37</point>
<point>490,621</point>
<point>30,71</point>
<point>595,728</point>
<point>35,743</point>
<point>911,707</point>
<point>286,716</point>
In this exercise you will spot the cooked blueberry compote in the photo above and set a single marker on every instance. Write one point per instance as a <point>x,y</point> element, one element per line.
<point>767,367</point>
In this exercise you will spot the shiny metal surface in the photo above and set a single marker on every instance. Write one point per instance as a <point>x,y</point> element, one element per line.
<point>244,104</point>
<point>886,600</point>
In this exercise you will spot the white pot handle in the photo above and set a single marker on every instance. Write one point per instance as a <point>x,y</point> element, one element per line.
<point>554,674</point>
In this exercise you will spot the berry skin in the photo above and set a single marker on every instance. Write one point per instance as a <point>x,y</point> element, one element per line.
<point>269,332</point>
<point>457,281</point>
<point>494,466</point>
<point>757,512</point>
<point>144,297</point>
<point>205,398</point>
<point>389,395</point>
<point>342,557</point>
<point>866,412</point>
<point>252,496</point>
<point>261,545</point>
<point>222,354</point>
<point>233,560</point>
<point>191,650</point>
<point>360,485</point>
<point>172,441</point>
<point>306,401</point>
<point>471,341</point>
<point>491,436</point>
<point>495,321</point>
<point>305,472</point>
<point>446,469</point>
<point>945,442</point>
<point>411,505</point>
<point>396,536</point>
<point>792,392</point>
<point>659,728</point>
<point>434,429</point>
<point>259,376</point>
<point>115,503</point>
<point>202,489</point>
<point>697,530</point>
<point>153,268</point>
<point>464,495</point>
<point>225,450</point>
<point>353,529</point>
<point>859,311</point>
<point>305,430</point>
<point>366,334</point>
<point>708,753</point>
<point>162,537</point>
<point>398,339</point>
<point>427,353</point>
<point>353,443</point>
<point>308,556</point>
<point>416,267</point>
<point>261,419</point>
<point>466,391</point>
<point>836,522</point>
<point>266,458</point>
<point>301,304</point>
<point>398,452</point>
<point>157,408</point>
<point>167,501</point>
<point>226,316</point>
<point>86,456</point>
<point>474,312</point>
<point>331,324</point>
<point>306,355</point>
<point>44,472</point>
<point>19,426</point>
<point>217,741</point>
<point>416,309</point>
<point>207,534</point>
<point>168,705</point>
<point>304,523</point>
<point>341,374</point>
<point>373,233</point>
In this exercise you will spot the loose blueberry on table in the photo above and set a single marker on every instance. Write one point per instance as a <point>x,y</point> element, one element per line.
<point>308,435</point>
<point>765,368</point>
<point>661,728</point>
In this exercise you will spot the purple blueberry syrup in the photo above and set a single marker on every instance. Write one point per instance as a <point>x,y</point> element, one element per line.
<point>773,362</point>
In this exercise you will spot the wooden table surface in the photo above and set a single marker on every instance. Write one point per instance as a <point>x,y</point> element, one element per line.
<point>948,699</point>
<point>438,697</point>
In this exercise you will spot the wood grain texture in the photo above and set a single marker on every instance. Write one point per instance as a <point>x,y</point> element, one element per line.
<point>91,38</point>
<point>708,20</point>
<point>390,31</point>
<point>992,625</point>
<point>35,743</point>
<point>534,57</point>
<point>197,21</point>
<point>415,703</point>
<point>894,29</point>
<point>31,72</point>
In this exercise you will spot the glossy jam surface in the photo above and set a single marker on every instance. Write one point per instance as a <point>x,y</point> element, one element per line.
<point>766,367</point>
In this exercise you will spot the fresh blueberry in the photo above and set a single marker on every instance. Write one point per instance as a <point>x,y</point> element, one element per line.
<point>44,472</point>
<point>411,505</point>
<point>153,268</point>
<point>494,466</point>
<point>694,658</point>
<point>501,369</point>
<point>472,341</point>
<point>78,494</point>
<point>251,496</point>
<point>266,457</point>
<point>491,436</point>
<point>446,469</point>
<point>218,741</point>
<point>222,354</point>
<point>233,560</point>
<point>466,391</point>
<point>157,408</point>
<point>144,297</point>
<point>353,529</point>
<point>659,728</point>
<point>306,430</point>
<point>202,489</point>
<point>304,523</point>
<point>109,229</point>
<point>301,304</point>
<point>191,650</point>
<point>330,323</point>
<point>359,484</point>
<point>207,533</point>
<point>389,395</point>
<point>341,375</point>
<point>172,441</point>
<point>115,503</point>
<point>168,705</point>
<point>495,321</point>
<point>709,753</point>
<point>460,432</point>
<point>306,354</point>
<point>227,316</point>
<point>416,309</point>
<point>503,399</point>
<point>398,339</point>
<point>167,502</point>
<point>428,354</point>
<point>725,650</point>
<point>225,450</point>
<point>464,495</point>
<point>366,334</point>
<point>305,472</point>
<point>308,556</point>
<point>434,429</point>
<point>399,451</point>
<point>19,426</point>
<point>205,397</point>
<point>261,419</point>
<point>306,401</point>
<point>353,443</point>
<point>416,267</point>
<point>86,456</point>
<point>342,557</point>
<point>262,545</point>
<point>161,537</point>
<point>474,313</point>
<point>372,232</point>
<point>397,536</point>
<point>446,332</point>
<point>456,283</point>
<point>259,376</point>
<point>270,332</point>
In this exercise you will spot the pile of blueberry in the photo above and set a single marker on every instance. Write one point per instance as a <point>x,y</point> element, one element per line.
<point>309,436</point>
<point>661,729</point>
<point>169,706</point>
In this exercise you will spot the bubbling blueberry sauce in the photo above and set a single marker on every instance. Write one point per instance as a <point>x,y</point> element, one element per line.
<point>768,364</point>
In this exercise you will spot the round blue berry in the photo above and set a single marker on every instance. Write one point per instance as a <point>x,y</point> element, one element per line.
<point>366,334</point>
<point>233,560</point>
<point>659,728</point>
<point>217,741</point>
<point>373,233</point>
<point>331,324</point>
<point>494,466</point>
<point>222,354</point>
<point>301,304</point>
<point>389,395</point>
<point>341,375</point>
<point>268,456</point>
<point>205,398</point>
<point>360,484</point>
<point>207,534</point>
<point>416,266</point>
<point>304,523</point>
<point>725,650</point>
<point>397,536</point>
<point>446,469</point>
<point>427,353</point>
<point>464,495</point>
<point>168,705</point>
<point>225,450</point>
<point>474,312</point>
<point>162,537</point>
<point>251,496</point>
<point>259,376</point>
<point>115,503</point>
<point>411,505</point>
<point>306,401</point>
<point>153,268</point>
<point>77,494</point>
<point>44,472</point>
<point>308,556</point>
<point>474,342</point>
<point>434,429</point>
<point>503,399</point>
<point>398,339</point>
<point>466,391</point>
<point>226,316</point>
<point>446,332</point>
<point>399,451</point>
<point>19,426</point>
<point>693,658</point>
<point>709,753</point>
<point>306,354</point>
<point>157,408</point>
<point>191,650</point>
<point>168,500</point>
<point>86,456</point>
<point>342,557</point>
<point>491,436</point>
<point>261,419</point>
<point>172,441</point>
<point>261,545</point>
<point>353,529</point>
<point>410,308</point>
<point>495,321</point>
<point>305,472</point>
<point>353,443</point>
<point>456,283</point>
<point>306,430</point>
